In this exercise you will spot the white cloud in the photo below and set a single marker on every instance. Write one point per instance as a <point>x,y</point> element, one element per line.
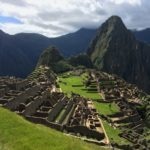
<point>132,2</point>
<point>57,17</point>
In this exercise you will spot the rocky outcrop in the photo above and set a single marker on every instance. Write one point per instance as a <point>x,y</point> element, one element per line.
<point>115,50</point>
<point>49,56</point>
<point>52,58</point>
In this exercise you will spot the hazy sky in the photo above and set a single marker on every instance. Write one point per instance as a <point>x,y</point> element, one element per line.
<point>58,17</point>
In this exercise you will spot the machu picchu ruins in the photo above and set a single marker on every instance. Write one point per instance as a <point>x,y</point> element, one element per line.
<point>39,103</point>
<point>40,99</point>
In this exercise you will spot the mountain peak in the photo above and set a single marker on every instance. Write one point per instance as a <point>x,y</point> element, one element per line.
<point>115,50</point>
<point>112,30</point>
<point>114,22</point>
<point>49,56</point>
<point>114,18</point>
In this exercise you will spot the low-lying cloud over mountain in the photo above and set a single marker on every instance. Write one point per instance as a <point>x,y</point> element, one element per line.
<point>55,17</point>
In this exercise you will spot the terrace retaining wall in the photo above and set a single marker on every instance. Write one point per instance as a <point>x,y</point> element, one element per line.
<point>21,98</point>
<point>39,120</point>
<point>85,131</point>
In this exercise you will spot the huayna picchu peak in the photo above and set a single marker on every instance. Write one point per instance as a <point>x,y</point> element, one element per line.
<point>116,50</point>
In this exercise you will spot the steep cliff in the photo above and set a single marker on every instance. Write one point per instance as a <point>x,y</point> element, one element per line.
<point>116,50</point>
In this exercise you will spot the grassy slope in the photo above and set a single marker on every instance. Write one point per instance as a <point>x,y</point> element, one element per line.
<point>18,134</point>
<point>106,109</point>
<point>113,134</point>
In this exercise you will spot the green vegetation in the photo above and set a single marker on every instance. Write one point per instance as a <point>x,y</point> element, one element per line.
<point>49,57</point>
<point>52,58</point>
<point>75,84</point>
<point>61,66</point>
<point>113,134</point>
<point>19,134</point>
<point>106,108</point>
<point>81,60</point>
<point>59,115</point>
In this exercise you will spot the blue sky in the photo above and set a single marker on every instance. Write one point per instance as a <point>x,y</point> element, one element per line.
<point>57,17</point>
<point>9,19</point>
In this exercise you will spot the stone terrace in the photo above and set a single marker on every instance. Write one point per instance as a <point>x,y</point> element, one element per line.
<point>127,97</point>
<point>36,98</point>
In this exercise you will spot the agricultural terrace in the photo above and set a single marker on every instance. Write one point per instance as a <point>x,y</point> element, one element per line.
<point>76,84</point>
<point>70,83</point>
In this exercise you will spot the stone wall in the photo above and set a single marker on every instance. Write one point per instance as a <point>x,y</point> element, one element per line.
<point>4,100</point>
<point>2,92</point>
<point>55,111</point>
<point>45,122</point>
<point>71,113</point>
<point>21,98</point>
<point>133,118</point>
<point>31,107</point>
<point>69,106</point>
<point>85,132</point>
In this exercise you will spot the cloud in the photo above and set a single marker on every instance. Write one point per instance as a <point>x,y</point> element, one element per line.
<point>55,17</point>
<point>132,2</point>
<point>15,2</point>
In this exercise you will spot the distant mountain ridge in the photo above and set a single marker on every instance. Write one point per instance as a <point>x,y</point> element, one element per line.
<point>52,58</point>
<point>115,50</point>
<point>19,53</point>
<point>143,35</point>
